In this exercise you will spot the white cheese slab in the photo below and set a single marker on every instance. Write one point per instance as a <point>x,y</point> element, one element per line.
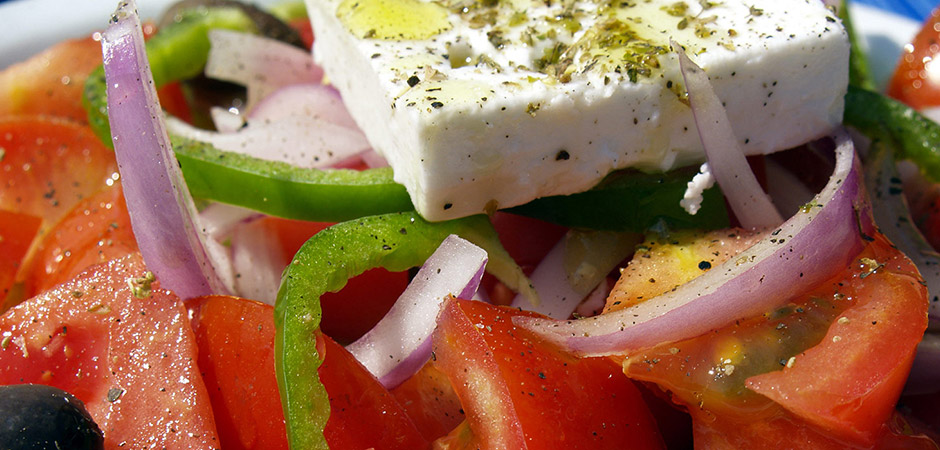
<point>471,123</point>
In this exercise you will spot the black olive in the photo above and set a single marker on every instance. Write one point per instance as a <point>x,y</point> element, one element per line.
<point>267,24</point>
<point>34,417</point>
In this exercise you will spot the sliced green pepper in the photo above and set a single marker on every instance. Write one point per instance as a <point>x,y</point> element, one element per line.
<point>283,190</point>
<point>324,264</point>
<point>859,70</point>
<point>917,137</point>
<point>631,201</point>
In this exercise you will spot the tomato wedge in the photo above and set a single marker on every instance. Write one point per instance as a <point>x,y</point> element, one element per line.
<point>49,165</point>
<point>520,393</point>
<point>51,83</point>
<point>363,414</point>
<point>96,230</point>
<point>916,79</point>
<point>236,355</point>
<point>430,401</point>
<point>824,371</point>
<point>120,344</point>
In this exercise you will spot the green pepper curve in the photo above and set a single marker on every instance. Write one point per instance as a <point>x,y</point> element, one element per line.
<point>881,118</point>
<point>324,264</point>
<point>284,190</point>
<point>859,72</point>
<point>917,137</point>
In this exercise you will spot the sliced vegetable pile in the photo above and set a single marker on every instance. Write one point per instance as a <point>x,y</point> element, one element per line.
<point>166,270</point>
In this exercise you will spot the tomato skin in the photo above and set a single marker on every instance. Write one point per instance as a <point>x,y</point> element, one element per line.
<point>17,232</point>
<point>521,393</point>
<point>236,356</point>
<point>49,165</point>
<point>96,230</point>
<point>916,80</point>
<point>131,360</point>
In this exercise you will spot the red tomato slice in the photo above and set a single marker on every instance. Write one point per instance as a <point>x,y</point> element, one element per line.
<point>916,80</point>
<point>430,401</point>
<point>130,358</point>
<point>236,355</point>
<point>17,232</point>
<point>49,165</point>
<point>363,414</point>
<point>830,365</point>
<point>51,83</point>
<point>96,230</point>
<point>520,393</point>
<point>872,344</point>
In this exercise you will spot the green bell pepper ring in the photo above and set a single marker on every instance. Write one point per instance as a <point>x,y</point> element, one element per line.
<point>917,137</point>
<point>324,264</point>
<point>283,190</point>
<point>859,70</point>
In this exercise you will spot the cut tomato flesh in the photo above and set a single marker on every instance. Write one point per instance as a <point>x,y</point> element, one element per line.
<point>121,345</point>
<point>521,393</point>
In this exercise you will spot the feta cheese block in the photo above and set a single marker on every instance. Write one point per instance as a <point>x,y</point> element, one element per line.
<point>487,104</point>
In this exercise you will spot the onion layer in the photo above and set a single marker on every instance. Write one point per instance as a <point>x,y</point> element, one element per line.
<point>162,213</point>
<point>751,205</point>
<point>400,343</point>
<point>260,64</point>
<point>812,246</point>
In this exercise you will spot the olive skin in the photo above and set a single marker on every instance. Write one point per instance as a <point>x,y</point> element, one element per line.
<point>34,417</point>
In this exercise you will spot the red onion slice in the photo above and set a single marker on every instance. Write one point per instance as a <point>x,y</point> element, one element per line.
<point>812,246</point>
<point>302,141</point>
<point>257,262</point>
<point>751,205</point>
<point>893,216</point>
<point>260,64</point>
<point>306,99</point>
<point>561,289</point>
<point>162,213</point>
<point>400,343</point>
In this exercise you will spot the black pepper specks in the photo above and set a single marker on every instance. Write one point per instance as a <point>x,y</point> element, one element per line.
<point>562,155</point>
<point>413,80</point>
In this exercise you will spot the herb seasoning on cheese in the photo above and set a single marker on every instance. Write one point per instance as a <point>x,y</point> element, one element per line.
<point>471,101</point>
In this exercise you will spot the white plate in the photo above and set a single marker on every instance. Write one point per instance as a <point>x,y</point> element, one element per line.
<point>28,26</point>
